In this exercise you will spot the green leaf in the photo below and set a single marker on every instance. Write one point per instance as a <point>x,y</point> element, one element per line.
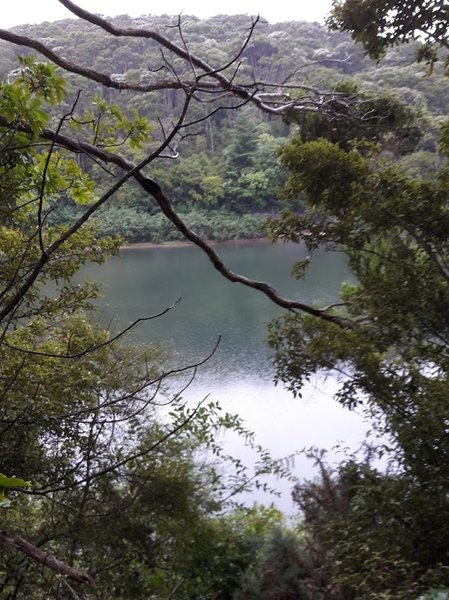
<point>12,482</point>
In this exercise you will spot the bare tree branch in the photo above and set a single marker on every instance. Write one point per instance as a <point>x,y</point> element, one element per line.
<point>44,491</point>
<point>210,80</point>
<point>94,347</point>
<point>102,155</point>
<point>102,78</point>
<point>154,190</point>
<point>45,171</point>
<point>47,560</point>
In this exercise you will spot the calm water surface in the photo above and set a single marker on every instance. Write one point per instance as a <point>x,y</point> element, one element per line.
<point>144,281</point>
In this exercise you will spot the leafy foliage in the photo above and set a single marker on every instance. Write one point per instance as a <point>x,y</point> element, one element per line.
<point>349,515</point>
<point>390,349</point>
<point>122,488</point>
<point>379,25</point>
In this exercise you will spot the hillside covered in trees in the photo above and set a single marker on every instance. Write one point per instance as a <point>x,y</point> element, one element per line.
<point>225,177</point>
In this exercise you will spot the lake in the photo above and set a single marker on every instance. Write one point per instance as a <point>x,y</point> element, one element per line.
<point>144,281</point>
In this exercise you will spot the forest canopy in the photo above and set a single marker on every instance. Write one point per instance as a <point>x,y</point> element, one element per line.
<point>226,177</point>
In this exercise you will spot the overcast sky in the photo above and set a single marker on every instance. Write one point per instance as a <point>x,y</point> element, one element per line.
<point>16,12</point>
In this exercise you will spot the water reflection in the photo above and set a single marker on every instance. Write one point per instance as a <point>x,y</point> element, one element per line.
<point>143,281</point>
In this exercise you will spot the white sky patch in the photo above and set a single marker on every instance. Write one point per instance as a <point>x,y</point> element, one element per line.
<point>36,11</point>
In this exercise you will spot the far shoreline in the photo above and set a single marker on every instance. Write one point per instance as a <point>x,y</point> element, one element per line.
<point>188,244</point>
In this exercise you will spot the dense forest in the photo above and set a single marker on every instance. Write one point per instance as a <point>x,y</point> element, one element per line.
<point>226,176</point>
<point>113,487</point>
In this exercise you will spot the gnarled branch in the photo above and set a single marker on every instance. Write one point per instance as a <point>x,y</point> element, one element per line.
<point>47,560</point>
<point>154,190</point>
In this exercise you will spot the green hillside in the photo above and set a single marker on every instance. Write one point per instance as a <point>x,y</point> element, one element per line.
<point>229,167</point>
